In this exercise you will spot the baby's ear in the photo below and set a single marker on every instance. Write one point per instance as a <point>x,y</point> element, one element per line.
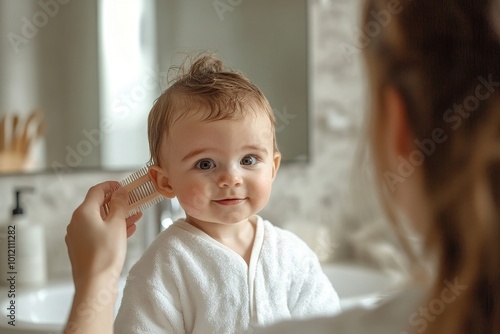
<point>276,163</point>
<point>161,181</point>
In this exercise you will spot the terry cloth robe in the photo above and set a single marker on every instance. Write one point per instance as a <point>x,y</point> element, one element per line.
<point>187,282</point>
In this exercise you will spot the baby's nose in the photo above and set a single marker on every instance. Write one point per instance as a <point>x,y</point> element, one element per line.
<point>229,177</point>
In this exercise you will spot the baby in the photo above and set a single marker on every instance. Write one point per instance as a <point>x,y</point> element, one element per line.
<point>222,269</point>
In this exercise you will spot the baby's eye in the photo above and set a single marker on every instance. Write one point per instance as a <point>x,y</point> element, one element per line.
<point>205,164</point>
<point>249,160</point>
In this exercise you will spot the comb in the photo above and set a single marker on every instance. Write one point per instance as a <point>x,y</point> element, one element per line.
<point>142,193</point>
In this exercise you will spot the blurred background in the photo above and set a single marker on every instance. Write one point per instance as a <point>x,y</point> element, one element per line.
<point>78,79</point>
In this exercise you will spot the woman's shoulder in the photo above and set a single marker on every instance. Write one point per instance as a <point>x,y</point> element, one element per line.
<point>394,316</point>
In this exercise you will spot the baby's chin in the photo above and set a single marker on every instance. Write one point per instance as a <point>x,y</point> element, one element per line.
<point>225,219</point>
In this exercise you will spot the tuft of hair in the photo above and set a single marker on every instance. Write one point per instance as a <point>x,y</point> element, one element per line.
<point>202,66</point>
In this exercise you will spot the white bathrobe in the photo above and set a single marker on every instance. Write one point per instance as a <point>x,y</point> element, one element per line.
<point>187,282</point>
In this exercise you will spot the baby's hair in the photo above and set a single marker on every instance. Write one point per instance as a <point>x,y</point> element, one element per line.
<point>203,82</point>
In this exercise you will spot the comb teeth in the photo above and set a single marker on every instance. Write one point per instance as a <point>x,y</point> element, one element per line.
<point>142,193</point>
<point>147,205</point>
<point>135,176</point>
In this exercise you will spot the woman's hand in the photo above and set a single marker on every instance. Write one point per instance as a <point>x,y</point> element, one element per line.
<point>97,244</point>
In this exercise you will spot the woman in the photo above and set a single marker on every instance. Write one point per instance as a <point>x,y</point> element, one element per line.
<point>434,75</point>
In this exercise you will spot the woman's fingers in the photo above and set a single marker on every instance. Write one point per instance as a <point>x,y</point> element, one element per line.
<point>118,205</point>
<point>99,194</point>
<point>134,219</point>
<point>116,198</point>
<point>131,230</point>
<point>131,227</point>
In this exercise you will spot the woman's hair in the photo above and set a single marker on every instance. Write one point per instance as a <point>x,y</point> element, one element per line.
<point>205,85</point>
<point>443,57</point>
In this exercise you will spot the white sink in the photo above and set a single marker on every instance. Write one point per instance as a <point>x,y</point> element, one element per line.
<point>40,310</point>
<point>45,310</point>
<point>357,285</point>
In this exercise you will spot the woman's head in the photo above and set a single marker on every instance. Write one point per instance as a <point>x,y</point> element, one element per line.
<point>435,82</point>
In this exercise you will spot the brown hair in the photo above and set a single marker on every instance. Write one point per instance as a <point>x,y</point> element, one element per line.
<point>207,83</point>
<point>443,58</point>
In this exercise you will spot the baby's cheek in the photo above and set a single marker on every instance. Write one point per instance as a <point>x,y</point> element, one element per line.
<point>197,197</point>
<point>263,191</point>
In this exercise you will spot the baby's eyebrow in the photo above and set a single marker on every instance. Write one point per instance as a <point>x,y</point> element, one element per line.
<point>259,148</point>
<point>194,153</point>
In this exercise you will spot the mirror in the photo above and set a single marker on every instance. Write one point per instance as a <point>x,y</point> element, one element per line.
<point>95,67</point>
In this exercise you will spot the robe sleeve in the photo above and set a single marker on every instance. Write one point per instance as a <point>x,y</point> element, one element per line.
<point>312,293</point>
<point>149,309</point>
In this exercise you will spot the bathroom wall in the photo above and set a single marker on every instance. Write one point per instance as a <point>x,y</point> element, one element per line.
<point>329,201</point>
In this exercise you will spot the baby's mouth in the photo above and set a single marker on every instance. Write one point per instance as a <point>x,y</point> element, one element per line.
<point>230,201</point>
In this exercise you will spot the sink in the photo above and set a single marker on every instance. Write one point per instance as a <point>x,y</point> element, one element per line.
<point>45,310</point>
<point>357,285</point>
<point>41,310</point>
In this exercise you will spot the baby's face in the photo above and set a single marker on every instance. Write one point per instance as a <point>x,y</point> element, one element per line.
<point>221,171</point>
